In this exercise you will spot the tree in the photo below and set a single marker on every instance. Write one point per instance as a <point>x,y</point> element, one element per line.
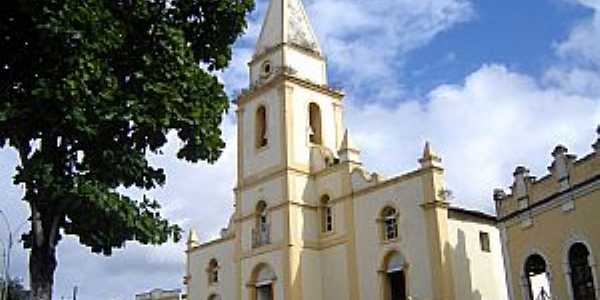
<point>87,90</point>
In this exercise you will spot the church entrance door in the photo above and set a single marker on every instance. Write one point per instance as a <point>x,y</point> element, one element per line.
<point>264,292</point>
<point>397,285</point>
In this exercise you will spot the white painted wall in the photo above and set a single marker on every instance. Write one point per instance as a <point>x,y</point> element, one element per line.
<point>199,289</point>
<point>306,66</point>
<point>478,275</point>
<point>413,243</point>
<point>257,160</point>
<point>301,98</point>
<point>275,260</point>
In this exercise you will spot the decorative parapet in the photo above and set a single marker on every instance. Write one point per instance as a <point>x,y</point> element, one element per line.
<point>561,166</point>
<point>361,178</point>
<point>566,173</point>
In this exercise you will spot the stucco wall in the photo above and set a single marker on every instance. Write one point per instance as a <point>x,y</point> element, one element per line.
<point>334,273</point>
<point>306,66</point>
<point>477,275</point>
<point>272,193</point>
<point>301,98</point>
<point>275,260</point>
<point>413,243</point>
<point>199,287</point>
<point>551,233</point>
<point>256,160</point>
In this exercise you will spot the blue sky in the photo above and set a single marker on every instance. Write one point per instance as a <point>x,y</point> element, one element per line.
<point>520,34</point>
<point>492,84</point>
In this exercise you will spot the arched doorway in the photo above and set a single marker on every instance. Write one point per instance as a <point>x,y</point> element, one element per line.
<point>263,283</point>
<point>214,297</point>
<point>537,278</point>
<point>582,278</point>
<point>395,277</point>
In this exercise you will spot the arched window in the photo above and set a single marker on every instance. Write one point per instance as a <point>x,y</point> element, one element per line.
<point>213,271</point>
<point>389,217</point>
<point>582,278</point>
<point>538,283</point>
<point>261,234</point>
<point>314,123</point>
<point>326,214</point>
<point>263,281</point>
<point>214,297</point>
<point>395,277</point>
<point>261,127</point>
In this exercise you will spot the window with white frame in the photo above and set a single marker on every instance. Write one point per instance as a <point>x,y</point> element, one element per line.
<point>389,218</point>
<point>261,234</point>
<point>326,214</point>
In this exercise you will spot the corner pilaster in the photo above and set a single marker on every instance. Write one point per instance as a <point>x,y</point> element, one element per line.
<point>435,207</point>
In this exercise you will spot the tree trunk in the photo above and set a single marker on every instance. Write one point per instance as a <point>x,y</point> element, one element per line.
<point>42,264</point>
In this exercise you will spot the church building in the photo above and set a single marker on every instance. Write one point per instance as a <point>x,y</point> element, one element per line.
<point>310,221</point>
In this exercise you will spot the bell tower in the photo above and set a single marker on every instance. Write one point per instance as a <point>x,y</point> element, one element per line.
<point>288,107</point>
<point>289,119</point>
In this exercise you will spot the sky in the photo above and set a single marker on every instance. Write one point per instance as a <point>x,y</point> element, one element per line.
<point>491,84</point>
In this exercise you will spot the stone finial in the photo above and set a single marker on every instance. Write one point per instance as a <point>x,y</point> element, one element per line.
<point>193,240</point>
<point>521,170</point>
<point>596,145</point>
<point>521,177</point>
<point>348,151</point>
<point>562,161</point>
<point>559,150</point>
<point>499,195</point>
<point>429,158</point>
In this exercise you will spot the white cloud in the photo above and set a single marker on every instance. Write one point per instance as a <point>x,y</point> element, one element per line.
<point>483,129</point>
<point>582,44</point>
<point>368,39</point>
<point>196,195</point>
<point>364,41</point>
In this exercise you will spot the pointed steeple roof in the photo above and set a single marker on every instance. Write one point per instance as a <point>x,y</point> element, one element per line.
<point>347,143</point>
<point>287,22</point>
<point>193,240</point>
<point>430,158</point>
<point>348,151</point>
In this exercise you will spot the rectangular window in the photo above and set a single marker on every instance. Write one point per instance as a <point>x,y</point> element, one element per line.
<point>327,219</point>
<point>391,229</point>
<point>484,241</point>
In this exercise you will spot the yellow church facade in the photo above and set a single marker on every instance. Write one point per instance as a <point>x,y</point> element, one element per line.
<point>550,228</point>
<point>310,221</point>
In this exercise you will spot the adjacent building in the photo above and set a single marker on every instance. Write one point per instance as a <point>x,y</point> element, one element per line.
<point>310,221</point>
<point>550,229</point>
<point>159,294</point>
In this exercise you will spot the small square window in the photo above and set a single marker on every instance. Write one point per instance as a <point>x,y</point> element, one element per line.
<point>484,241</point>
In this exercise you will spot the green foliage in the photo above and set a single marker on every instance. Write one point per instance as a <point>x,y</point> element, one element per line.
<point>89,88</point>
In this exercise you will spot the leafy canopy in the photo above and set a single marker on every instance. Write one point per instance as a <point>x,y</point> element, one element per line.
<point>89,88</point>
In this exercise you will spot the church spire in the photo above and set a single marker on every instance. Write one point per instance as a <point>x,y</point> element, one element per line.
<point>430,158</point>
<point>286,22</point>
